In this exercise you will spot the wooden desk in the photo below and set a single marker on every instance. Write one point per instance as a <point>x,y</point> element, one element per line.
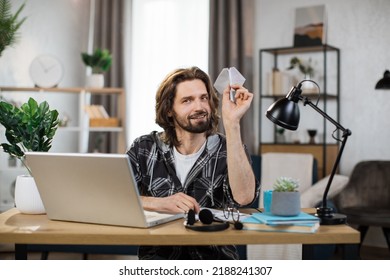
<point>38,229</point>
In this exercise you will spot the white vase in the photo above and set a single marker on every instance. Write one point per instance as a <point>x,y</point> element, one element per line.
<point>27,197</point>
<point>95,81</point>
<point>309,87</point>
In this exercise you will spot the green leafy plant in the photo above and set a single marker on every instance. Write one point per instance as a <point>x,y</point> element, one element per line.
<point>100,61</point>
<point>285,184</point>
<point>280,130</point>
<point>305,68</point>
<point>9,24</point>
<point>28,128</point>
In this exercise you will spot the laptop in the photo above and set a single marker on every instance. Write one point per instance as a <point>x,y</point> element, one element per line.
<point>91,188</point>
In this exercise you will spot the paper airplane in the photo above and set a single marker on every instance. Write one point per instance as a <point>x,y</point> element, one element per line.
<point>228,76</point>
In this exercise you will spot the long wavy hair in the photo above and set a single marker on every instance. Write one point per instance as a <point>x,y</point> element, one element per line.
<point>166,94</point>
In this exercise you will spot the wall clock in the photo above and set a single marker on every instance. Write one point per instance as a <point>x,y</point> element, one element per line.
<point>46,71</point>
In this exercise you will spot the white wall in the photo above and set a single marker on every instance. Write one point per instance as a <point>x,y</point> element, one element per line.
<point>360,28</point>
<point>55,27</point>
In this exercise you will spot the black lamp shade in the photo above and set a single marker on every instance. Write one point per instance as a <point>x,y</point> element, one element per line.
<point>284,113</point>
<point>384,83</point>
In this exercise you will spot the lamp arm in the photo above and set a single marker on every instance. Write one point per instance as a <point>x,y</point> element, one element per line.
<point>346,133</point>
<point>335,166</point>
<point>287,115</point>
<point>307,101</point>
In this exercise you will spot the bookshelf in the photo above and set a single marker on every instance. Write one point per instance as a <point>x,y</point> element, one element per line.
<point>77,131</point>
<point>326,61</point>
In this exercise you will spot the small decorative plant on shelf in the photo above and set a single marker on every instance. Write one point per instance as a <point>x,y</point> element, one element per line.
<point>28,128</point>
<point>280,137</point>
<point>305,68</point>
<point>9,24</point>
<point>100,62</point>
<point>286,199</point>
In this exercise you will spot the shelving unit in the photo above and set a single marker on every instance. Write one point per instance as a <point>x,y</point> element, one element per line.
<point>326,61</point>
<point>80,127</point>
<point>84,96</point>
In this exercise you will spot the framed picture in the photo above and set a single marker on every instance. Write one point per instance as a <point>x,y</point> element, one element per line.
<point>310,26</point>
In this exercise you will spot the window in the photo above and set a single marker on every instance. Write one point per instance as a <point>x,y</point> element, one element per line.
<point>165,35</point>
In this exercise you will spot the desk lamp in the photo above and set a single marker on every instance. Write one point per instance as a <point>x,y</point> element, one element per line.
<point>285,113</point>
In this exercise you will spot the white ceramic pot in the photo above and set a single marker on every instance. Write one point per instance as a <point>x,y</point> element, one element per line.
<point>95,81</point>
<point>27,198</point>
<point>309,87</point>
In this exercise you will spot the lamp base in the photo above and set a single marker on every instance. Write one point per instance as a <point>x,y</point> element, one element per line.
<point>329,218</point>
<point>336,219</point>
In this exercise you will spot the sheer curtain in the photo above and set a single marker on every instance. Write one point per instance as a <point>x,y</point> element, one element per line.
<point>231,44</point>
<point>165,35</point>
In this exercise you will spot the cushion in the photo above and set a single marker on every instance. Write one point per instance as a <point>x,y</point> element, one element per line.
<point>294,165</point>
<point>313,195</point>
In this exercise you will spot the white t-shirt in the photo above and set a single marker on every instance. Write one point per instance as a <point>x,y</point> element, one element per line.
<point>184,163</point>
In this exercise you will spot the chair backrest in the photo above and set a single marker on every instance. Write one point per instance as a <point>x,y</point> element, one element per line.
<point>267,168</point>
<point>295,165</point>
<point>368,186</point>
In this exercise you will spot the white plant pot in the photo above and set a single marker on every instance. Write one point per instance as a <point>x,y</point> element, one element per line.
<point>309,87</point>
<point>95,81</point>
<point>27,197</point>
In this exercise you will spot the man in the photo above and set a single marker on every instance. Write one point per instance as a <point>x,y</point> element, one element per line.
<point>189,165</point>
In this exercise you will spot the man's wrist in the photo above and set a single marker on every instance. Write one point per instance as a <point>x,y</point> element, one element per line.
<point>147,202</point>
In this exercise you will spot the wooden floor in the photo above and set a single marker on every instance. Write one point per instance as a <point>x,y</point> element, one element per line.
<point>6,253</point>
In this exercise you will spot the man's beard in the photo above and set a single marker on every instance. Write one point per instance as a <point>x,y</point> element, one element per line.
<point>186,124</point>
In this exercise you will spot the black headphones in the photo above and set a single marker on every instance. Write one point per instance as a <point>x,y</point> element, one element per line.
<point>207,217</point>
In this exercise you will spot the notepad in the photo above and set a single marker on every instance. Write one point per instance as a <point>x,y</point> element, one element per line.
<point>270,219</point>
<point>251,223</point>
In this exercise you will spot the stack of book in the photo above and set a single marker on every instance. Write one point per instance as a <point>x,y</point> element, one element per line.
<point>98,116</point>
<point>302,223</point>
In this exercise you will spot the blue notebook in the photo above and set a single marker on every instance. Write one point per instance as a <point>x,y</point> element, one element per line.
<point>251,223</point>
<point>270,219</point>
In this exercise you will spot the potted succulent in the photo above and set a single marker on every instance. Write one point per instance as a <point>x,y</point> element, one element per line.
<point>9,24</point>
<point>286,199</point>
<point>100,62</point>
<point>30,127</point>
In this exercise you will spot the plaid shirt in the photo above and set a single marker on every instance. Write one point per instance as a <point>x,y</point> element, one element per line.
<point>154,170</point>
